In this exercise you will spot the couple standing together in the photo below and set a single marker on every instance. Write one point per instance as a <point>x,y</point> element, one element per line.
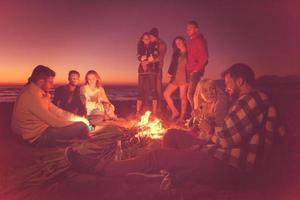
<point>187,66</point>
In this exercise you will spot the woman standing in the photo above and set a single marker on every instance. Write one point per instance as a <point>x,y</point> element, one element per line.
<point>94,98</point>
<point>177,70</point>
<point>146,52</point>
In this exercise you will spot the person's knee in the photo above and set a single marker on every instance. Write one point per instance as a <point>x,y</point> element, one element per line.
<point>183,97</point>
<point>82,127</point>
<point>166,95</point>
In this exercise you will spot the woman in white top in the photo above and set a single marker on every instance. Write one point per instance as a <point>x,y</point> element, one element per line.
<point>94,98</point>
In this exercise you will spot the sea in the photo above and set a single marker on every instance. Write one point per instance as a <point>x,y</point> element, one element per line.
<point>8,93</point>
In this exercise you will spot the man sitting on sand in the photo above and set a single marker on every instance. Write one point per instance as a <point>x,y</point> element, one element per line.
<point>38,120</point>
<point>67,97</point>
<point>241,145</point>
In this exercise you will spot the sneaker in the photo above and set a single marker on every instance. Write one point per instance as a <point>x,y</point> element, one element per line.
<point>80,163</point>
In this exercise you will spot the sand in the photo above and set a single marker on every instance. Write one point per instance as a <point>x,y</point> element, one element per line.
<point>282,180</point>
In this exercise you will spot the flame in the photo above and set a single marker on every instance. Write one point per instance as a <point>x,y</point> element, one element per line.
<point>152,129</point>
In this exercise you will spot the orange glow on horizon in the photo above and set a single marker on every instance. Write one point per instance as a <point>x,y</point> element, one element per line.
<point>18,76</point>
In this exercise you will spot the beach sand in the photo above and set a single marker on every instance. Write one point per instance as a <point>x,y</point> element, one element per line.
<point>282,181</point>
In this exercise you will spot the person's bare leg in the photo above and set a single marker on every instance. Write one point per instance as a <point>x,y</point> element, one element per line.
<point>167,94</point>
<point>183,99</point>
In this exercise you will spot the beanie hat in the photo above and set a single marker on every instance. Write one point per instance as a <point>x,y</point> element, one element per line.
<point>154,32</point>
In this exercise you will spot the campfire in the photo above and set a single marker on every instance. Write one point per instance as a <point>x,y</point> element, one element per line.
<point>150,128</point>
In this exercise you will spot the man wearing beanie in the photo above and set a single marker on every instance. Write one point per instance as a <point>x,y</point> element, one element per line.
<point>162,49</point>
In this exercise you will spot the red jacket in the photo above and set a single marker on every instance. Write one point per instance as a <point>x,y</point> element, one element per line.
<point>197,53</point>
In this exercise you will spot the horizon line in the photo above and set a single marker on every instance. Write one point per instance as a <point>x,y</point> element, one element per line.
<point>64,83</point>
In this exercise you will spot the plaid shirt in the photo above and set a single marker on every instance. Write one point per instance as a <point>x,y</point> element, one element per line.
<point>247,133</point>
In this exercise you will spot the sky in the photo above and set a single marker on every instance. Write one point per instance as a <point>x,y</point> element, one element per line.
<point>103,35</point>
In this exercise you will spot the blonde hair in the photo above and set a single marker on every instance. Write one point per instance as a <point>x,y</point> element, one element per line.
<point>206,82</point>
<point>197,95</point>
<point>99,80</point>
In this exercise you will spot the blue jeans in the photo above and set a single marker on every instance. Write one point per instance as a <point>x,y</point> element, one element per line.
<point>58,136</point>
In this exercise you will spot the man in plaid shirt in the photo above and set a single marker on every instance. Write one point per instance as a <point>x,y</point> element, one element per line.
<point>243,141</point>
<point>248,127</point>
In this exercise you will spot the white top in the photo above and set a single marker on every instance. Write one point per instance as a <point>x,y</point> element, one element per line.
<point>94,99</point>
<point>34,112</point>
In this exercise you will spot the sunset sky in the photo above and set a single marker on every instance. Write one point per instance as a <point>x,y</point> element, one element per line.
<point>102,35</point>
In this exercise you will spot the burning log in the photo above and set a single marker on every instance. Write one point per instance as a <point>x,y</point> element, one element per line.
<point>150,128</point>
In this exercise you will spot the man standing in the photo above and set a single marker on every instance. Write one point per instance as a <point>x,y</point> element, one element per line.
<point>38,120</point>
<point>67,97</point>
<point>197,58</point>
<point>162,49</point>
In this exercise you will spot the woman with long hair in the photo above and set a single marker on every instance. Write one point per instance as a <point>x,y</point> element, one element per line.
<point>95,99</point>
<point>177,71</point>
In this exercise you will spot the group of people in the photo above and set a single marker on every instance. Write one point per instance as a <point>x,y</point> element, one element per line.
<point>223,139</point>
<point>187,66</point>
<point>42,122</point>
<point>224,143</point>
<point>87,100</point>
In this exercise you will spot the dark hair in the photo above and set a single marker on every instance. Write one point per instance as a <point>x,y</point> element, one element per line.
<point>93,72</point>
<point>176,53</point>
<point>154,31</point>
<point>175,49</point>
<point>40,72</point>
<point>140,42</point>
<point>73,72</point>
<point>240,70</point>
<point>194,23</point>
